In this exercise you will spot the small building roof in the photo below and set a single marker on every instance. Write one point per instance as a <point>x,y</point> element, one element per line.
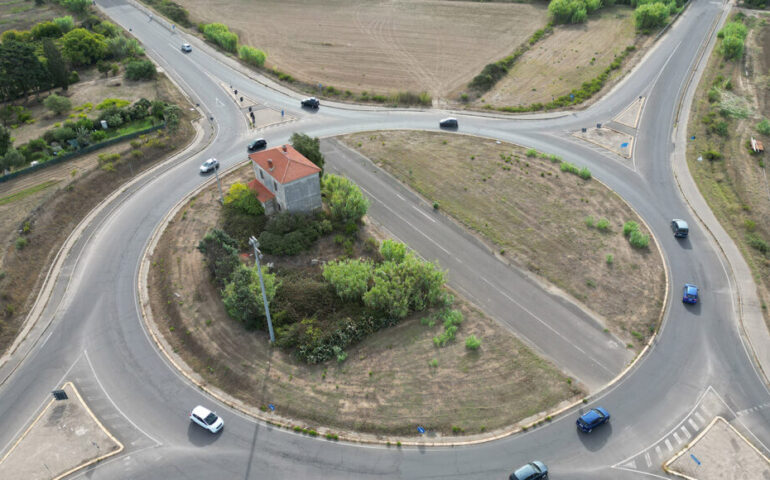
<point>263,194</point>
<point>284,163</point>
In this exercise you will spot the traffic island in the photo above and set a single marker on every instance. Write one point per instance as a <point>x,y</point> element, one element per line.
<point>64,438</point>
<point>720,452</point>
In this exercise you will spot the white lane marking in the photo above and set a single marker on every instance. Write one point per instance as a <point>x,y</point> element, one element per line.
<point>426,215</point>
<point>659,452</point>
<point>402,198</point>
<point>546,325</point>
<point>648,459</point>
<point>408,223</point>
<point>46,339</point>
<point>701,420</point>
<point>676,437</point>
<point>631,464</point>
<point>692,424</point>
<point>85,353</point>
<point>669,446</point>
<point>686,432</point>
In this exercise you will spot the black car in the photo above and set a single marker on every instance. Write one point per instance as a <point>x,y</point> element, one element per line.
<point>532,471</point>
<point>680,228</point>
<point>448,123</point>
<point>311,102</point>
<point>257,144</point>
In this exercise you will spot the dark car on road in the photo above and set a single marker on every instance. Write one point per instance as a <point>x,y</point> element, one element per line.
<point>592,419</point>
<point>448,123</point>
<point>680,228</point>
<point>690,293</point>
<point>257,144</point>
<point>311,102</point>
<point>532,471</point>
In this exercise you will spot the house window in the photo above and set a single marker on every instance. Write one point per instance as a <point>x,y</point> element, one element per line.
<point>261,175</point>
<point>275,186</point>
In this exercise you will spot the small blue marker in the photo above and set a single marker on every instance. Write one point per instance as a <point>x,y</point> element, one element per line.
<point>624,145</point>
<point>271,407</point>
<point>420,429</point>
<point>695,458</point>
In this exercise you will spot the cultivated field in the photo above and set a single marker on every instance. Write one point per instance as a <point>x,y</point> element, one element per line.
<point>534,214</point>
<point>436,46</point>
<point>571,55</point>
<point>386,385</point>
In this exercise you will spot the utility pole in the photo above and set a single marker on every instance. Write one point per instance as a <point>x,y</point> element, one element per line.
<point>254,243</point>
<point>221,195</point>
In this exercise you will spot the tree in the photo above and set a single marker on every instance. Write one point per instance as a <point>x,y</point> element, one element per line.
<point>76,6</point>
<point>82,47</point>
<point>650,16</point>
<point>5,140</point>
<point>393,251</point>
<point>65,24</point>
<point>57,67</point>
<point>344,198</point>
<point>12,159</point>
<point>46,30</point>
<point>57,104</point>
<point>309,147</point>
<point>221,255</point>
<point>350,278</point>
<point>241,198</point>
<point>732,47</point>
<point>171,116</point>
<point>242,296</point>
<point>20,70</point>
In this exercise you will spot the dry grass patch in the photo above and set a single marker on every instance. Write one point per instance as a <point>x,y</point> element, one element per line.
<point>571,55</point>
<point>382,47</point>
<point>736,187</point>
<point>536,215</point>
<point>22,14</point>
<point>388,384</point>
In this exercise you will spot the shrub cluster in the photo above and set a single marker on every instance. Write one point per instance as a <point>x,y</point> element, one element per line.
<point>345,200</point>
<point>635,237</point>
<point>220,253</point>
<point>252,55</point>
<point>172,10</point>
<point>291,233</point>
<point>140,70</point>
<point>452,320</point>
<point>733,36</point>
<point>583,172</point>
<point>242,295</point>
<point>221,35</point>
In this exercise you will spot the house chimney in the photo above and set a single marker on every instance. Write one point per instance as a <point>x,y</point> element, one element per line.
<point>284,148</point>
<point>270,164</point>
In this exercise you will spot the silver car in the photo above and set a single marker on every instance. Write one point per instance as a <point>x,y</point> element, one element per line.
<point>209,165</point>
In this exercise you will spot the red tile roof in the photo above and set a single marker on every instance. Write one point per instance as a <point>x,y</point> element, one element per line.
<point>284,163</point>
<point>263,194</point>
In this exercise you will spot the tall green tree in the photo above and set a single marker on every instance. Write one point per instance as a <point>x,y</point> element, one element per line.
<point>56,65</point>
<point>21,71</point>
<point>344,198</point>
<point>5,140</point>
<point>309,147</point>
<point>82,47</point>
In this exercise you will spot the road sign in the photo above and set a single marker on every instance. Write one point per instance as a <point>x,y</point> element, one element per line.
<point>624,145</point>
<point>420,429</point>
<point>271,407</point>
<point>695,459</point>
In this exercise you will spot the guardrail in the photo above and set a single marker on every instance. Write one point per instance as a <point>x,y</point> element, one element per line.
<point>67,156</point>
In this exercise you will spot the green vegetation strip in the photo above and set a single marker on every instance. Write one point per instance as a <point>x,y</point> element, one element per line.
<point>27,192</point>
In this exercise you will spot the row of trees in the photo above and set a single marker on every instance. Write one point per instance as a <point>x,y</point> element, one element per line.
<point>220,34</point>
<point>649,14</point>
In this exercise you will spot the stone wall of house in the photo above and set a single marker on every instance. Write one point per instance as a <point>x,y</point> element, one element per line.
<point>303,195</point>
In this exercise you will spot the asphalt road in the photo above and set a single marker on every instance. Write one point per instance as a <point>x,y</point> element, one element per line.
<point>698,366</point>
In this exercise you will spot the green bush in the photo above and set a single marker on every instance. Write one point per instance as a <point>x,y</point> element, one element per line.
<point>140,70</point>
<point>57,104</point>
<point>65,24</point>
<point>472,343</point>
<point>63,134</point>
<point>240,197</point>
<point>758,243</point>
<point>610,259</point>
<point>731,47</point>
<point>630,227</point>
<point>46,30</point>
<point>650,16</point>
<point>392,251</point>
<point>639,240</point>
<point>289,233</point>
<point>763,127</point>
<point>82,47</point>
<point>733,29</point>
<point>76,6</point>
<point>603,225</point>
<point>220,252</point>
<point>589,221</point>
<point>251,55</point>
<point>345,200</point>
<point>531,153</point>
<point>350,278</point>
<point>309,147</point>
<point>20,243</point>
<point>585,173</point>
<point>714,95</point>
<point>221,35</point>
<point>242,296</point>
<point>172,10</point>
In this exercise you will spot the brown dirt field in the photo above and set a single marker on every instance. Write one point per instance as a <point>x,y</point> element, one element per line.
<point>737,188</point>
<point>385,386</point>
<point>571,55</point>
<point>535,214</point>
<point>382,47</point>
<point>55,211</point>
<point>93,88</point>
<point>22,14</point>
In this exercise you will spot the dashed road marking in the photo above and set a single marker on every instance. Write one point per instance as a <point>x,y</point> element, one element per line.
<point>426,215</point>
<point>669,446</point>
<point>659,452</point>
<point>692,424</point>
<point>648,459</point>
<point>676,437</point>
<point>686,432</point>
<point>700,418</point>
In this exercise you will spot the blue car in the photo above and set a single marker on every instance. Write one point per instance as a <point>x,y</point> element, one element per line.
<point>592,419</point>
<point>690,293</point>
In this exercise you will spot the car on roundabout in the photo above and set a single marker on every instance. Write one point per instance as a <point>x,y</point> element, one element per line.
<point>207,419</point>
<point>532,471</point>
<point>209,165</point>
<point>690,294</point>
<point>186,48</point>
<point>311,102</point>
<point>257,144</point>
<point>592,419</point>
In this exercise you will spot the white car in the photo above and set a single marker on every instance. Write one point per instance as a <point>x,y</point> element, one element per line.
<point>209,165</point>
<point>207,419</point>
<point>186,47</point>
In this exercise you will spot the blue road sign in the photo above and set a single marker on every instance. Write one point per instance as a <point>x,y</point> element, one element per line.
<point>624,145</point>
<point>420,429</point>
<point>571,96</point>
<point>695,458</point>
<point>692,138</point>
<point>271,407</point>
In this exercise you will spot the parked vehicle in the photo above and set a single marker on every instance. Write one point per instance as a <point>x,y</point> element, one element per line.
<point>532,471</point>
<point>257,144</point>
<point>448,123</point>
<point>680,228</point>
<point>690,293</point>
<point>311,102</point>
<point>186,48</point>
<point>592,419</point>
<point>207,419</point>
<point>209,165</point>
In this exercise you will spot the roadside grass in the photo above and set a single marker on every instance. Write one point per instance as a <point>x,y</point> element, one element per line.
<point>27,192</point>
<point>730,177</point>
<point>388,384</point>
<point>520,202</point>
